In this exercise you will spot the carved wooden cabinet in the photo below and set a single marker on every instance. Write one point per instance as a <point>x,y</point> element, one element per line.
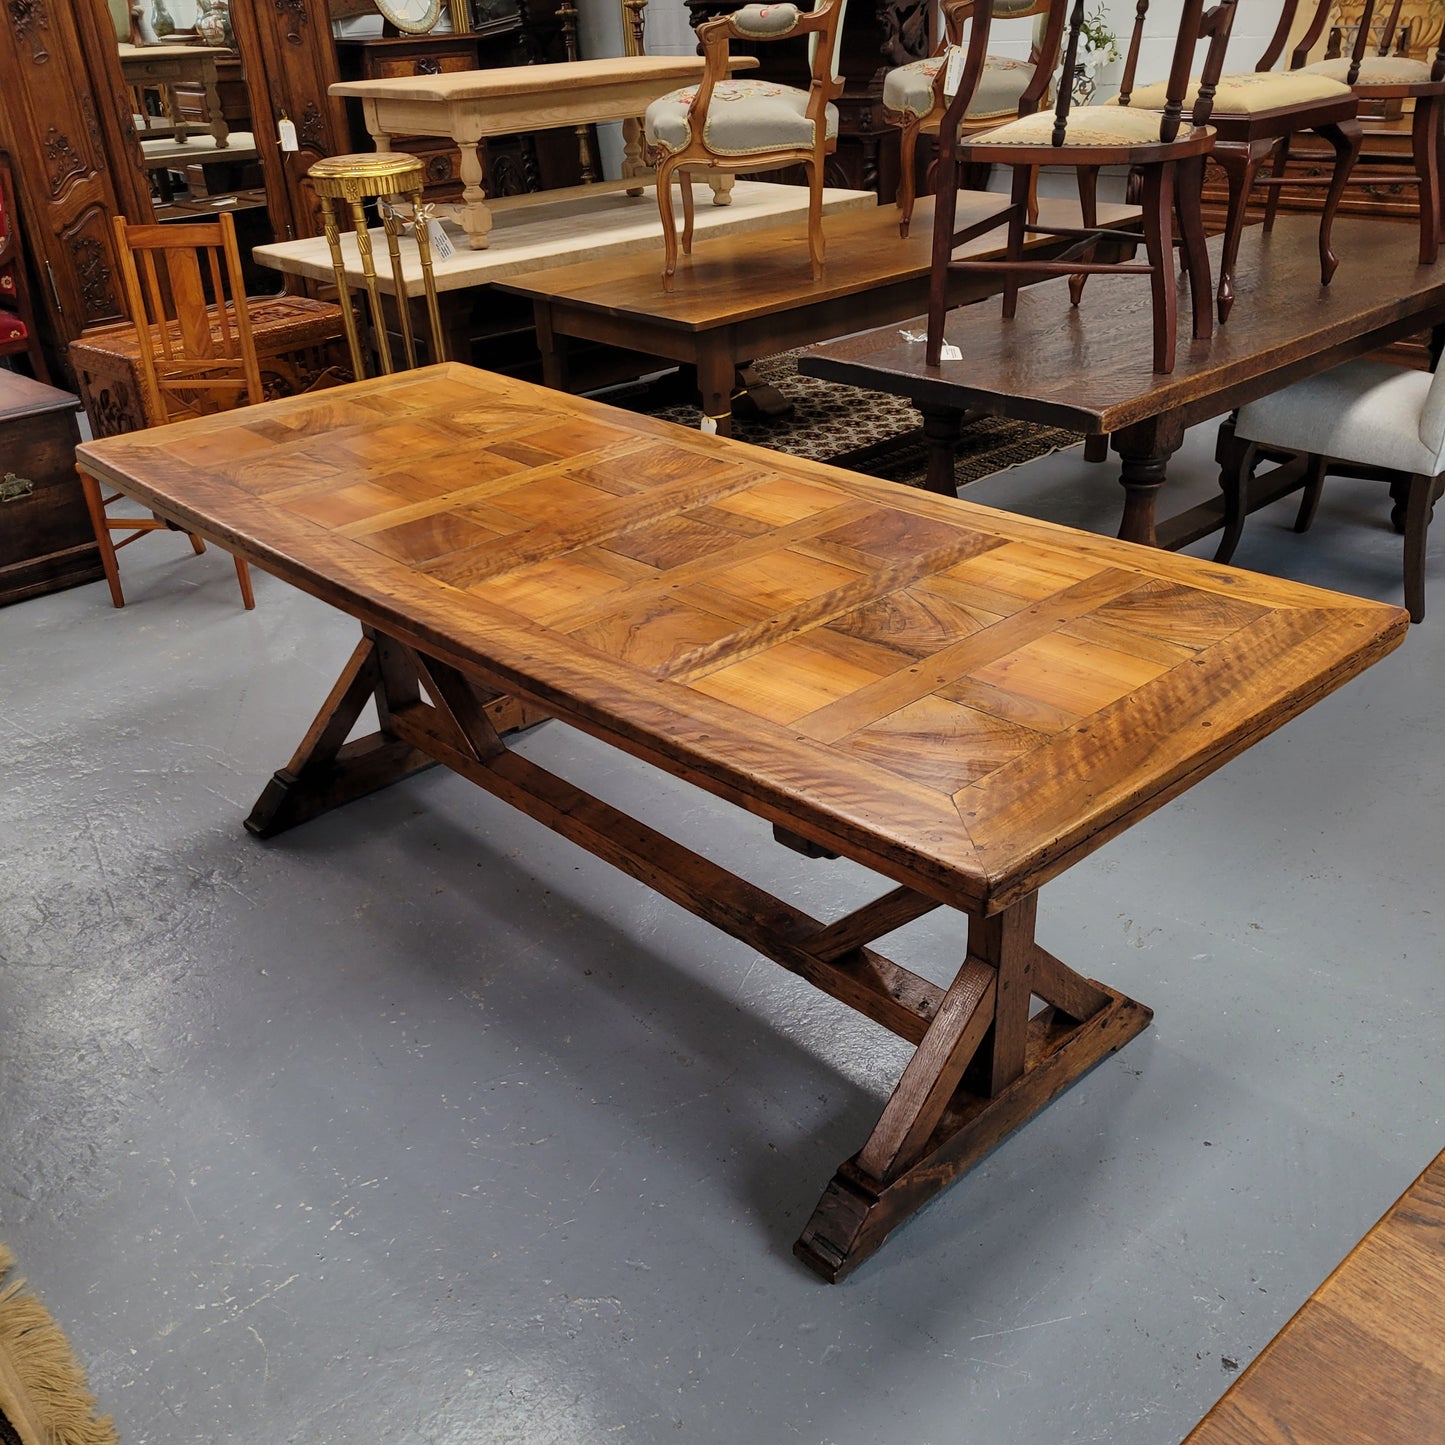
<point>876,38</point>
<point>65,126</point>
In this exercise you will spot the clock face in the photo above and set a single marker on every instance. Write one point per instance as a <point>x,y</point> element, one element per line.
<point>415,17</point>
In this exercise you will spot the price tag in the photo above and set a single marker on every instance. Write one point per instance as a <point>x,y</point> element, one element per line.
<point>950,352</point>
<point>286,130</point>
<point>954,73</point>
<point>708,424</point>
<point>441,243</point>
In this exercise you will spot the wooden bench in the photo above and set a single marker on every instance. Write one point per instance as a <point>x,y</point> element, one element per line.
<point>963,701</point>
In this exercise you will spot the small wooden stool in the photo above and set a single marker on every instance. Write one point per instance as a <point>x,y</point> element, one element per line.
<point>388,177</point>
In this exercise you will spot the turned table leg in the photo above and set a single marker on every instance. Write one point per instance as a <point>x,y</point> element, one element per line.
<point>942,429</point>
<point>1144,452</point>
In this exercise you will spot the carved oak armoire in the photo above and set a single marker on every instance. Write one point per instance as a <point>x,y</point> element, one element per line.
<point>877,36</point>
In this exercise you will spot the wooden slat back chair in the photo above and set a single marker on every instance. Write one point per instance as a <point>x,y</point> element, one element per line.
<point>1364,418</point>
<point>18,333</point>
<point>1374,74</point>
<point>913,97</point>
<point>1165,151</point>
<point>1255,112</point>
<point>749,125</point>
<point>186,298</point>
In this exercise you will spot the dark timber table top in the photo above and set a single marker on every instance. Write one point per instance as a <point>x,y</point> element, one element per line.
<point>963,701</point>
<point>1088,369</point>
<point>1363,1361</point>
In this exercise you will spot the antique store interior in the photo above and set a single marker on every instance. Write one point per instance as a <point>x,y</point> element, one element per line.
<point>419,1122</point>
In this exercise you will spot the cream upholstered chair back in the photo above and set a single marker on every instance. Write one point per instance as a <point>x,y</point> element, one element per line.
<point>1432,419</point>
<point>818,38</point>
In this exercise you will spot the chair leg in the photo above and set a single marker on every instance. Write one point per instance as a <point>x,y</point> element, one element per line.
<point>689,211</point>
<point>1018,212</point>
<point>907,185</point>
<point>243,578</point>
<point>1189,202</point>
<point>1346,136</point>
<point>1240,163</point>
<point>1419,508</point>
<point>665,168</point>
<point>96,507</point>
<point>1159,246</point>
<point>816,242</point>
<point>1313,490</point>
<point>1236,458</point>
<point>1088,182</point>
<point>1425,143</point>
<point>1276,172</point>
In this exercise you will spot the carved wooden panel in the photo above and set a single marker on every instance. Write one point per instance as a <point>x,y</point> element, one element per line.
<point>290,61</point>
<point>51,125</point>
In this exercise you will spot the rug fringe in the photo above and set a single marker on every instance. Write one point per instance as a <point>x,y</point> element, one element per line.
<point>43,1391</point>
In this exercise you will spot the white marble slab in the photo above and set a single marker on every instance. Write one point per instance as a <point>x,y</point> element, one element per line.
<point>559,228</point>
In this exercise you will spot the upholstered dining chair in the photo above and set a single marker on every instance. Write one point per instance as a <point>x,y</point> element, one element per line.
<point>1165,152</point>
<point>1379,76</point>
<point>1363,418</point>
<point>18,333</point>
<point>1255,112</point>
<point>186,298</point>
<point>749,125</point>
<point>913,98</point>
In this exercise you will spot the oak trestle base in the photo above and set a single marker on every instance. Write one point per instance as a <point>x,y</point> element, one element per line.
<point>983,1065</point>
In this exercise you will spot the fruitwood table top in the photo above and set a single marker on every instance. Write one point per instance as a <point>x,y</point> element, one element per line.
<point>1364,1358</point>
<point>964,701</point>
<point>1084,368</point>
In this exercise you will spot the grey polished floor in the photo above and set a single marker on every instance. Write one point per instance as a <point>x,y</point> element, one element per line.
<point>418,1125</point>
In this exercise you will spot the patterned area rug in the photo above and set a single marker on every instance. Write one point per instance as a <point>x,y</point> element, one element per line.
<point>870,431</point>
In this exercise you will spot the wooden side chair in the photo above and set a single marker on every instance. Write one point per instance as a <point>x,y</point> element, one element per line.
<point>18,333</point>
<point>749,125</point>
<point>1255,112</point>
<point>187,300</point>
<point>913,98</point>
<point>1380,76</point>
<point>1361,419</point>
<point>1165,152</point>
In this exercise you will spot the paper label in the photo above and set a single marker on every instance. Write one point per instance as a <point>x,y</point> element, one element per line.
<point>950,352</point>
<point>286,130</point>
<point>441,245</point>
<point>954,74</point>
<point>709,425</point>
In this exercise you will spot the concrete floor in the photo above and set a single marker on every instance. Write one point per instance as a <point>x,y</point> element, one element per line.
<point>419,1125</point>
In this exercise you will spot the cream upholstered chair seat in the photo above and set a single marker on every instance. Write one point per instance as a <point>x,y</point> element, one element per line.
<point>1250,91</point>
<point>1362,414</point>
<point>1361,411</point>
<point>745,118</point>
<point>1087,126</point>
<point>1374,70</point>
<point>909,88</point>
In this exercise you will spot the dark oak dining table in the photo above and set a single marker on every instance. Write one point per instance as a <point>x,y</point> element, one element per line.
<point>1088,368</point>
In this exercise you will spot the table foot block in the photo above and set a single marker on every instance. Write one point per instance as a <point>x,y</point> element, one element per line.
<point>857,1213</point>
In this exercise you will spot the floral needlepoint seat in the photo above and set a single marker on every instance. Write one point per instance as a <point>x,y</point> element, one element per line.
<point>913,98</point>
<point>722,124</point>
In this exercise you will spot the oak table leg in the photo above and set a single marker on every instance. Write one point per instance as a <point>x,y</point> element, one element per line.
<point>943,430</point>
<point>1144,452</point>
<point>983,1069</point>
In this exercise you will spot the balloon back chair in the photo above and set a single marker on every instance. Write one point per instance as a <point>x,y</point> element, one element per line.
<point>913,98</point>
<point>1380,77</point>
<point>1165,152</point>
<point>729,125</point>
